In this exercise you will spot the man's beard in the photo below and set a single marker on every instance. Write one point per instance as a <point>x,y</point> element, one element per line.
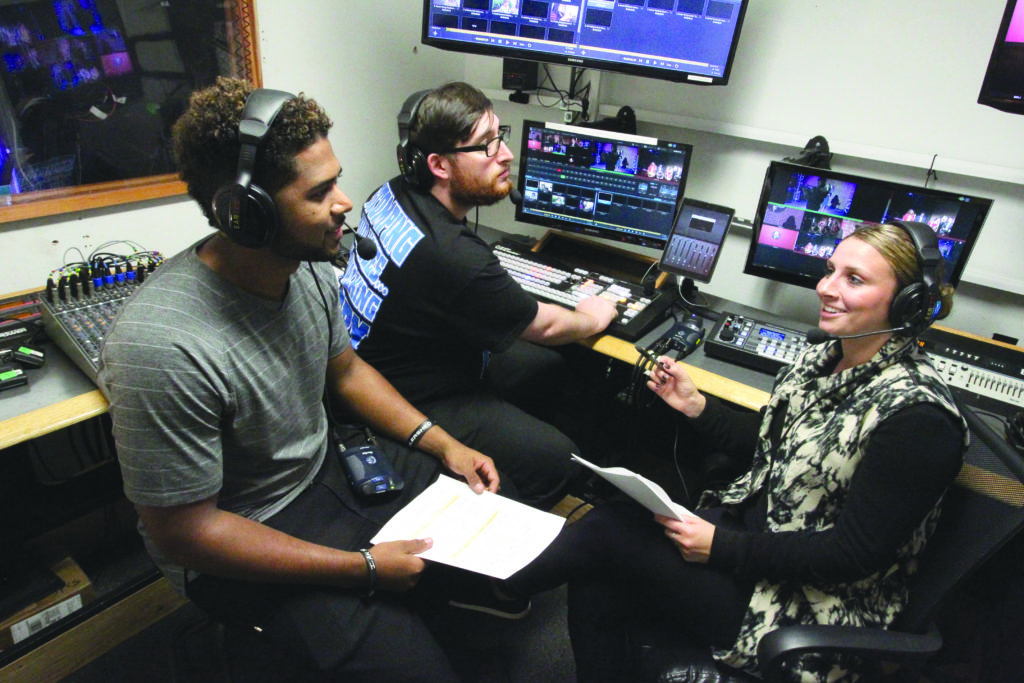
<point>470,191</point>
<point>286,246</point>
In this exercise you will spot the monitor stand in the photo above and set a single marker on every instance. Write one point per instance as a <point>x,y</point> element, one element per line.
<point>581,252</point>
<point>688,289</point>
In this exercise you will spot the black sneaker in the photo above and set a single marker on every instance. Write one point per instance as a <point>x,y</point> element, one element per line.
<point>479,596</point>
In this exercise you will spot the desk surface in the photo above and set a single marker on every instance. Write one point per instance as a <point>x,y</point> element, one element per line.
<point>59,394</point>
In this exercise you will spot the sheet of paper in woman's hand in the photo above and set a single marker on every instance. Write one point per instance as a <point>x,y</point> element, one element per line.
<point>640,489</point>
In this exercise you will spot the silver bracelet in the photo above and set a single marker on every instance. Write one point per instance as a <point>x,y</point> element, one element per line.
<point>371,568</point>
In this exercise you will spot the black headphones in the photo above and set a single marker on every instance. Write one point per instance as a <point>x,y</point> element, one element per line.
<point>412,162</point>
<point>243,211</point>
<point>917,305</point>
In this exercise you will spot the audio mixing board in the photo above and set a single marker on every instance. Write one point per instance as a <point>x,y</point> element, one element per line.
<point>78,312</point>
<point>985,376</point>
<point>982,375</point>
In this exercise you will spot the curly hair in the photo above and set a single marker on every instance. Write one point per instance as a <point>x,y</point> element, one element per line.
<point>206,144</point>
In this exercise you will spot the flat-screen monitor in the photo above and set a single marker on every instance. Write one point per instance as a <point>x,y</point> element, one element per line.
<point>804,212</point>
<point>1003,87</point>
<point>695,242</point>
<point>691,41</point>
<point>621,187</point>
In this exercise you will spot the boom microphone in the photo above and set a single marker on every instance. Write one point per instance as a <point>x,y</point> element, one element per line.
<point>816,335</point>
<point>366,248</point>
<point>516,196</point>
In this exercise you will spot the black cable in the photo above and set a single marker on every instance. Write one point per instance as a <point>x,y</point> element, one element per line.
<point>1015,431</point>
<point>576,509</point>
<point>679,470</point>
<point>633,394</point>
<point>330,344</point>
<point>37,457</point>
<point>79,448</point>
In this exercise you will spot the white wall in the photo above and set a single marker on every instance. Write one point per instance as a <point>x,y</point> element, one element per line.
<point>891,81</point>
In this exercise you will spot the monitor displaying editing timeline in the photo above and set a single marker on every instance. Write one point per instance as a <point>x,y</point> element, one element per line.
<point>804,212</point>
<point>692,41</point>
<point>622,187</point>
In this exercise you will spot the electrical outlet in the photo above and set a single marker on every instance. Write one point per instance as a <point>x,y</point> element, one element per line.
<point>567,116</point>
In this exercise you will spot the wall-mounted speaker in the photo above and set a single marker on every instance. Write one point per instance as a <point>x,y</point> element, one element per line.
<point>518,74</point>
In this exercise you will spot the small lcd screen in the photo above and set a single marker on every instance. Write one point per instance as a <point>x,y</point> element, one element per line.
<point>772,334</point>
<point>695,243</point>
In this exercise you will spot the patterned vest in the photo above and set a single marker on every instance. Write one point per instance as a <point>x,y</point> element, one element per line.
<point>828,420</point>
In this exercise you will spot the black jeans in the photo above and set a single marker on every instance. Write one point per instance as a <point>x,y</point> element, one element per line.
<point>622,570</point>
<point>501,420</point>
<point>332,630</point>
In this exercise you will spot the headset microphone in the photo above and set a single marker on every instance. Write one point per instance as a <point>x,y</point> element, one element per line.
<point>516,196</point>
<point>816,335</point>
<point>366,248</point>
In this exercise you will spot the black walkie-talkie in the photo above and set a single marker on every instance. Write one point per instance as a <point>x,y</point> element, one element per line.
<point>368,468</point>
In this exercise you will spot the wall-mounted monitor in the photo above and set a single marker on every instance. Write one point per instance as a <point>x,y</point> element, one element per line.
<point>804,212</point>
<point>691,41</point>
<point>617,186</point>
<point>1003,87</point>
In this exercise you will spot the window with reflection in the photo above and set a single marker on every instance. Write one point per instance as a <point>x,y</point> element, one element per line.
<point>89,89</point>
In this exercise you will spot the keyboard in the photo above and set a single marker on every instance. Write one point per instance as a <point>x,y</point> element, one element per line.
<point>556,283</point>
<point>747,341</point>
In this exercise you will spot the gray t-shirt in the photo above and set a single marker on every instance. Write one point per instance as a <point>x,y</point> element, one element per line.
<point>215,391</point>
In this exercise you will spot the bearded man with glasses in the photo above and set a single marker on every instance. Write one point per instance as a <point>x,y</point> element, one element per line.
<point>432,309</point>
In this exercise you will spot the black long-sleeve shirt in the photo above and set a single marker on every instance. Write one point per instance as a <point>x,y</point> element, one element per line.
<point>910,460</point>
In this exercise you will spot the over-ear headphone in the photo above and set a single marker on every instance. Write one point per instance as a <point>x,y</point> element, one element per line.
<point>917,305</point>
<point>412,162</point>
<point>243,211</point>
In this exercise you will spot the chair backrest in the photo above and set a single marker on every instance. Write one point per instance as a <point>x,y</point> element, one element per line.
<point>981,512</point>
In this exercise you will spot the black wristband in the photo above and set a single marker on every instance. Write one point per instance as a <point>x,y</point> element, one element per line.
<point>371,568</point>
<point>418,433</point>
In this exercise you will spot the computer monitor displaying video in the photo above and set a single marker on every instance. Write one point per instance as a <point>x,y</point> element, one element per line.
<point>621,187</point>
<point>691,41</point>
<point>1003,86</point>
<point>804,212</point>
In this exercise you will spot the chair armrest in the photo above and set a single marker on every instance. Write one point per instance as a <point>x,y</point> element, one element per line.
<point>871,643</point>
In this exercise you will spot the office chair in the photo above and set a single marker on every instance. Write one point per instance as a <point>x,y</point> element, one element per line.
<point>981,512</point>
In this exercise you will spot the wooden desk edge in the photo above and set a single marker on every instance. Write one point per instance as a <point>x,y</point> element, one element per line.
<point>971,335</point>
<point>723,387</point>
<point>70,651</point>
<point>52,418</point>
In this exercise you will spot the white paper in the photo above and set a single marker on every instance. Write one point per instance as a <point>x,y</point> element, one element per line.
<point>483,532</point>
<point>640,489</point>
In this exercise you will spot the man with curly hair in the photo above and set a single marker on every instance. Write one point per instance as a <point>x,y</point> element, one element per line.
<point>216,372</point>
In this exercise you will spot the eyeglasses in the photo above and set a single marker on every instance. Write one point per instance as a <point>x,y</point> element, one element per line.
<point>491,147</point>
